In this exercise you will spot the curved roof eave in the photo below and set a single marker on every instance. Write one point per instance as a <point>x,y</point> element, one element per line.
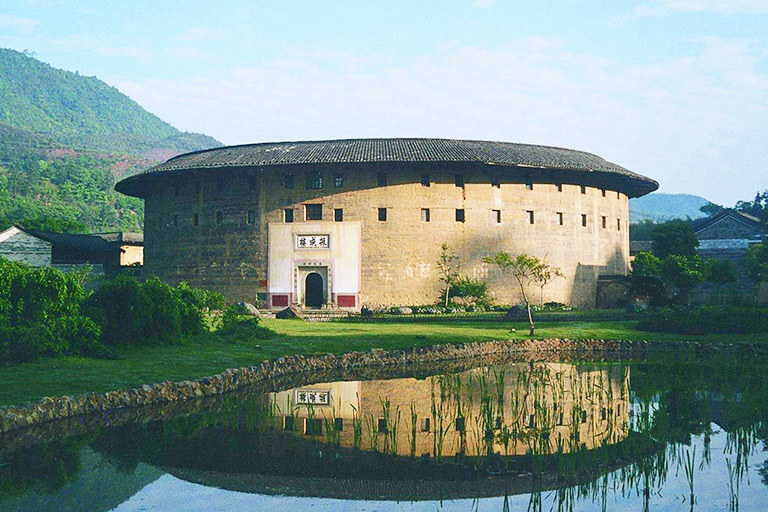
<point>368,151</point>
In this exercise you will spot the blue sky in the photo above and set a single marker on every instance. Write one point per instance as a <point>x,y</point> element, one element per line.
<point>675,89</point>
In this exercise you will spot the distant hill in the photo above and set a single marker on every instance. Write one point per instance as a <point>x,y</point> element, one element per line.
<point>82,112</point>
<point>65,139</point>
<point>660,207</point>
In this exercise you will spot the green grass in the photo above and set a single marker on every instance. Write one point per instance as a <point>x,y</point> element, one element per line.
<point>213,353</point>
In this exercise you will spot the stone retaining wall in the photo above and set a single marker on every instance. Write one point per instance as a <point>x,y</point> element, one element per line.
<point>287,369</point>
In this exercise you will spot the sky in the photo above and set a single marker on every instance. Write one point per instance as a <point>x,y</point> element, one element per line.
<point>673,89</point>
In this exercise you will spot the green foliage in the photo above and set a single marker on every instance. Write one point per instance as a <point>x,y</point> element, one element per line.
<point>646,264</point>
<point>757,207</point>
<point>719,271</point>
<point>706,320</point>
<point>711,209</point>
<point>472,291</point>
<point>132,312</point>
<point>642,230</point>
<point>683,272</point>
<point>40,314</point>
<point>674,238</point>
<point>756,261</point>
<point>448,265</point>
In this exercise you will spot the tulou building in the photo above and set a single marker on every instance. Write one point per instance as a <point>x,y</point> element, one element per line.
<point>347,223</point>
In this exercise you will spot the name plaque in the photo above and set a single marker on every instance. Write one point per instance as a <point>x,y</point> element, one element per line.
<point>312,397</point>
<point>312,241</point>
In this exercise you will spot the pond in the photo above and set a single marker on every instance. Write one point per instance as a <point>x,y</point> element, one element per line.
<point>669,434</point>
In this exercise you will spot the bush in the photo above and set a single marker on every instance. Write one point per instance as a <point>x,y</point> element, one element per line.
<point>706,320</point>
<point>132,312</point>
<point>472,292</point>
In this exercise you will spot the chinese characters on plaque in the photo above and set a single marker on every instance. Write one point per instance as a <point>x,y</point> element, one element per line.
<point>312,397</point>
<point>312,242</point>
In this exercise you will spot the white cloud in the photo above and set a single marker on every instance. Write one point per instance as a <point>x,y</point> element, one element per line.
<point>78,42</point>
<point>725,7</point>
<point>693,123</point>
<point>23,25</point>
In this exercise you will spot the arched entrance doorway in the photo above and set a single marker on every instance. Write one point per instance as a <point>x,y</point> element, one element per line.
<point>313,291</point>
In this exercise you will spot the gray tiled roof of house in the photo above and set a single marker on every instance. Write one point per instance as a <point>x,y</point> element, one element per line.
<point>391,150</point>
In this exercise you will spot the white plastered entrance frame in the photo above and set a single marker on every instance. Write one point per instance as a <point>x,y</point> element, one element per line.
<point>302,269</point>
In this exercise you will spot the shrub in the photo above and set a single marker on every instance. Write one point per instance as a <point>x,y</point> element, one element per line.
<point>471,291</point>
<point>706,320</point>
<point>132,312</point>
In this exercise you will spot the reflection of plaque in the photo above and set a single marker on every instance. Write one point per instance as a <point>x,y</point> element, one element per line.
<point>312,241</point>
<point>312,397</point>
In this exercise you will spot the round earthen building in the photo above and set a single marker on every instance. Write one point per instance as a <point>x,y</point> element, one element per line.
<point>347,223</point>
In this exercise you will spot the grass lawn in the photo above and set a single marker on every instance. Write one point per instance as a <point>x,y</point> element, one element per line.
<point>212,353</point>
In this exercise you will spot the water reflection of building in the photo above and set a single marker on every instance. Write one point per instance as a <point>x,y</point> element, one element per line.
<point>514,409</point>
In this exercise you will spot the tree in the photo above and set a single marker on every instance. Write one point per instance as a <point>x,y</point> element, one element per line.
<point>683,272</point>
<point>523,268</point>
<point>711,209</point>
<point>646,278</point>
<point>757,208</point>
<point>674,238</point>
<point>719,272</point>
<point>545,274</point>
<point>756,261</point>
<point>448,265</point>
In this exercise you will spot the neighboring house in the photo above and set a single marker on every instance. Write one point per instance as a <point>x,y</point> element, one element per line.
<point>727,235</point>
<point>104,253</point>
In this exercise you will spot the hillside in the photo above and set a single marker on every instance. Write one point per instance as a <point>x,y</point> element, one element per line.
<point>65,138</point>
<point>660,207</point>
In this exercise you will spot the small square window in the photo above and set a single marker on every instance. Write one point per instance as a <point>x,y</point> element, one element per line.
<point>252,184</point>
<point>338,214</point>
<point>313,212</point>
<point>618,224</point>
<point>583,189</point>
<point>381,425</point>
<point>381,179</point>
<point>251,217</point>
<point>219,218</point>
<point>604,220</point>
<point>584,219</point>
<point>288,181</point>
<point>530,216</point>
<point>560,218</point>
<point>175,221</point>
<point>288,215</point>
<point>497,216</point>
<point>460,215</point>
<point>461,424</point>
<point>314,180</point>
<point>426,424</point>
<point>495,182</point>
<point>458,179</point>
<point>382,214</point>
<point>425,214</point>
<point>583,416</point>
<point>529,186</point>
<point>425,180</point>
<point>338,181</point>
<point>313,427</point>
<point>559,187</point>
<point>338,424</point>
<point>195,219</point>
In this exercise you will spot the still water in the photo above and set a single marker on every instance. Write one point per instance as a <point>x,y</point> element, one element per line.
<point>663,435</point>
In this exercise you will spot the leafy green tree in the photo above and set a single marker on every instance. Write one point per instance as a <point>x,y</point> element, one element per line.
<point>711,209</point>
<point>719,272</point>
<point>448,265</point>
<point>545,274</point>
<point>472,291</point>
<point>524,269</point>
<point>646,264</point>
<point>674,238</point>
<point>646,278</point>
<point>683,272</point>
<point>756,261</point>
<point>757,207</point>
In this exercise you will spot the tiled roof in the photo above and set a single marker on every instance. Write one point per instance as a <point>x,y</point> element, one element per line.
<point>391,150</point>
<point>87,243</point>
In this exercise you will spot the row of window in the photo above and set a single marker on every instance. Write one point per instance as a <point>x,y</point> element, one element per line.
<point>314,181</point>
<point>313,426</point>
<point>314,212</point>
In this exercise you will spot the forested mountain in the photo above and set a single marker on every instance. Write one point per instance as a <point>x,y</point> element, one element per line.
<point>65,138</point>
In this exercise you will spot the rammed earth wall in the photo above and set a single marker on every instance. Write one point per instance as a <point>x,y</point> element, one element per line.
<point>294,370</point>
